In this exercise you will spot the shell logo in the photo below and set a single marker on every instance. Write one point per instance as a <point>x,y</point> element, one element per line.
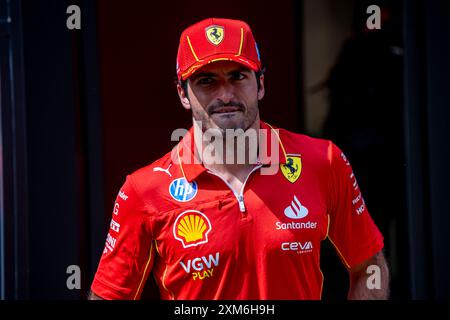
<point>191,228</point>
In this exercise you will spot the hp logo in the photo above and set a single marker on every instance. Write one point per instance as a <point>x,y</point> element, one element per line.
<point>181,190</point>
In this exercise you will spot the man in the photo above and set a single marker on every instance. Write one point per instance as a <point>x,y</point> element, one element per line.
<point>210,225</point>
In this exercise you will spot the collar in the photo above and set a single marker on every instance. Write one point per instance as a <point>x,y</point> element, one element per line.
<point>191,166</point>
<point>272,138</point>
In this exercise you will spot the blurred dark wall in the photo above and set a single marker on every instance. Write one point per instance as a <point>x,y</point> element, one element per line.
<point>55,169</point>
<point>366,108</point>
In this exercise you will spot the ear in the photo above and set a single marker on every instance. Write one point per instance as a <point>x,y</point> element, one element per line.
<point>261,90</point>
<point>183,97</point>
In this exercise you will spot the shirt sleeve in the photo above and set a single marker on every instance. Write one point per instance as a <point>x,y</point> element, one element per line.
<point>351,228</point>
<point>129,251</point>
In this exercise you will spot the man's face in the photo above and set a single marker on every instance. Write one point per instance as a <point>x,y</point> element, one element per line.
<point>223,95</point>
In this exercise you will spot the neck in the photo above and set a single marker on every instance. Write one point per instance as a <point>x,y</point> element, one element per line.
<point>232,152</point>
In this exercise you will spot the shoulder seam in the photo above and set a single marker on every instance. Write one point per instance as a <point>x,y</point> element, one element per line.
<point>330,173</point>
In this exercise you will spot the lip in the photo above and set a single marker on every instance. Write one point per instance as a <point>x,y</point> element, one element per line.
<point>226,110</point>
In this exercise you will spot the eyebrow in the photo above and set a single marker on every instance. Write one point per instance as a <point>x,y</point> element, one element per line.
<point>202,74</point>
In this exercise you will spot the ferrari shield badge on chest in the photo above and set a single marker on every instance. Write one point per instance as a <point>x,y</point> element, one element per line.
<point>215,34</point>
<point>292,168</point>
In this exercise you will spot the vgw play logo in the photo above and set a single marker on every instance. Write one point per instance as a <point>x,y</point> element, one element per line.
<point>202,267</point>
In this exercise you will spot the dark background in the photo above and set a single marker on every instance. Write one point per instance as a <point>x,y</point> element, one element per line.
<point>80,109</point>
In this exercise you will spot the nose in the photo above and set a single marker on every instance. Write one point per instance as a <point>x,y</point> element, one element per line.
<point>225,92</point>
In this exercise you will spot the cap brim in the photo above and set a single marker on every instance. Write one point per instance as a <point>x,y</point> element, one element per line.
<point>216,58</point>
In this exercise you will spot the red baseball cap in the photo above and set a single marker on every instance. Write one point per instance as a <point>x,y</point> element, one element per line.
<point>214,39</point>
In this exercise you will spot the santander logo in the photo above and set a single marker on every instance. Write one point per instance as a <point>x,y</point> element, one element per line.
<point>296,210</point>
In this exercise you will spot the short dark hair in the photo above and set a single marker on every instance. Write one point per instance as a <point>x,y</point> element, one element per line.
<point>258,74</point>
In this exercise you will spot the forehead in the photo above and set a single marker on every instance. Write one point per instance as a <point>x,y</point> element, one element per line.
<point>220,67</point>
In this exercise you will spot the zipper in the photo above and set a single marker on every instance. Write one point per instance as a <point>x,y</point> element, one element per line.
<point>240,196</point>
<point>241,202</point>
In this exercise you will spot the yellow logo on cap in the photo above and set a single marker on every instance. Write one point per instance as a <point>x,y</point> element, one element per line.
<point>292,168</point>
<point>215,34</point>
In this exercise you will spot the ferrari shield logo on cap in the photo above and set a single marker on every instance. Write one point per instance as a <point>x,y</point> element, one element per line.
<point>215,34</point>
<point>292,168</point>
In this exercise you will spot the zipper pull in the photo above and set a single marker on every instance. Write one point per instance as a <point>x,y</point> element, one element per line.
<point>241,203</point>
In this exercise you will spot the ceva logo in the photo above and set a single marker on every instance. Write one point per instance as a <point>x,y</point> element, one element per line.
<point>296,210</point>
<point>299,247</point>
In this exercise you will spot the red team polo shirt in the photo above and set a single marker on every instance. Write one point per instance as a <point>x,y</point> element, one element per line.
<point>201,241</point>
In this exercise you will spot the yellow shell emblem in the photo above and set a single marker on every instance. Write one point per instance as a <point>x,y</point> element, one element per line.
<point>215,34</point>
<point>191,228</point>
<point>292,168</point>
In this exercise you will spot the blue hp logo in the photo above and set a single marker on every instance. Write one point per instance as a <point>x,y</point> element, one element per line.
<point>183,191</point>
